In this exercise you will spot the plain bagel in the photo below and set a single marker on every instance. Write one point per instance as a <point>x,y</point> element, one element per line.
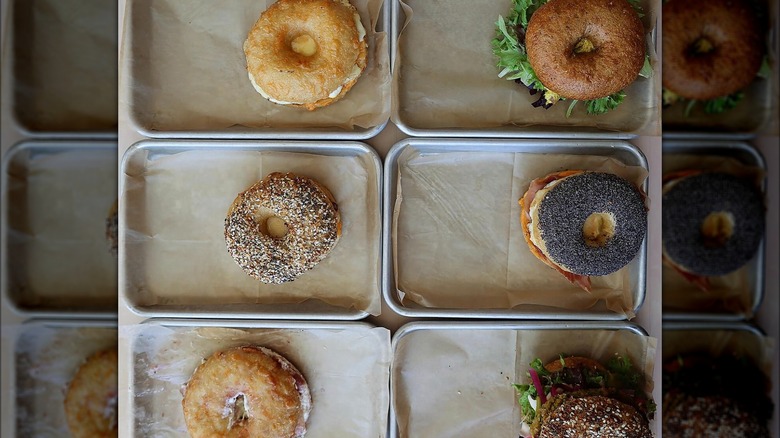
<point>306,53</point>
<point>585,49</point>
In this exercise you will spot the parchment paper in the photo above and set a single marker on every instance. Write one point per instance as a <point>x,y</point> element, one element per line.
<point>731,293</point>
<point>174,230</point>
<point>65,64</point>
<point>58,254</point>
<point>347,372</point>
<point>445,76</point>
<point>188,70</point>
<point>458,241</point>
<point>760,350</point>
<point>457,383</point>
<point>47,357</point>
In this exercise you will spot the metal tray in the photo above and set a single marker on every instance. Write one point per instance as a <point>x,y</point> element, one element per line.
<point>66,89</point>
<point>143,389</point>
<point>37,389</point>
<point>90,296</point>
<point>412,128</point>
<point>620,150</point>
<point>748,155</point>
<point>310,309</point>
<point>140,43</point>
<point>755,119</point>
<point>497,325</point>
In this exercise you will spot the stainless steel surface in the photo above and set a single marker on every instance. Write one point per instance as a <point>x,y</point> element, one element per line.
<point>713,325</point>
<point>620,150</point>
<point>245,133</point>
<point>34,148</point>
<point>136,332</point>
<point>497,325</point>
<point>314,310</point>
<point>748,155</point>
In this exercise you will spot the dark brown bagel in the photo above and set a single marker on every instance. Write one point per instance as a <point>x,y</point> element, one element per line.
<point>617,37</point>
<point>731,32</point>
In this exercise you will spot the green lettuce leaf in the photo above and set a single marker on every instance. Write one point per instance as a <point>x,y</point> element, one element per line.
<point>721,104</point>
<point>604,104</point>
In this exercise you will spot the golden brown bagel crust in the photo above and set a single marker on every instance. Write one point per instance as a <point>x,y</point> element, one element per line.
<point>91,398</point>
<point>305,81</point>
<point>614,29</point>
<point>308,210</point>
<point>272,392</point>
<point>733,30</point>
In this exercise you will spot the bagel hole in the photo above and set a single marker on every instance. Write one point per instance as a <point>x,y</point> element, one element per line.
<point>270,224</point>
<point>236,410</point>
<point>304,45</point>
<point>584,45</point>
<point>717,228</point>
<point>702,46</point>
<point>598,229</point>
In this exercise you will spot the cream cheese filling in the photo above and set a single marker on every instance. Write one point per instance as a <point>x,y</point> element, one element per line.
<point>534,231</point>
<point>356,70</point>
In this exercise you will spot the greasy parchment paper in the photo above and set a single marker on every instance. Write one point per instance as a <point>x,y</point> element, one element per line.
<point>65,65</point>
<point>58,254</point>
<point>445,76</point>
<point>187,70</point>
<point>457,237</point>
<point>347,371</point>
<point>47,357</point>
<point>760,350</point>
<point>174,229</point>
<point>457,382</point>
<point>733,292</point>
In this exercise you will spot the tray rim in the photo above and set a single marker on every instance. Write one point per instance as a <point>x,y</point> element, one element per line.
<point>722,147</point>
<point>390,290</point>
<point>259,145</point>
<point>48,146</point>
<point>242,133</point>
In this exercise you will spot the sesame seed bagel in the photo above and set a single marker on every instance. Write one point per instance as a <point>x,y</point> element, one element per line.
<point>572,416</point>
<point>281,227</point>
<point>247,392</point>
<point>91,398</point>
<point>306,53</point>
<point>588,223</point>
<point>585,49</point>
<point>712,222</point>
<point>712,48</point>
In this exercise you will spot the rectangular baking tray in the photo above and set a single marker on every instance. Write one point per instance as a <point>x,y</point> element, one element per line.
<point>40,394</point>
<point>532,131</point>
<point>498,325</point>
<point>748,155</point>
<point>141,373</point>
<point>762,119</point>
<point>11,289</point>
<point>34,23</point>
<point>310,309</point>
<point>618,149</point>
<point>237,132</point>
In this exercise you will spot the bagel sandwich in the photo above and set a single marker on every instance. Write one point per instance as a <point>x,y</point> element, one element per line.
<point>589,61</point>
<point>713,224</point>
<point>715,396</point>
<point>583,223</point>
<point>579,396</point>
<point>306,53</point>
<point>713,50</point>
